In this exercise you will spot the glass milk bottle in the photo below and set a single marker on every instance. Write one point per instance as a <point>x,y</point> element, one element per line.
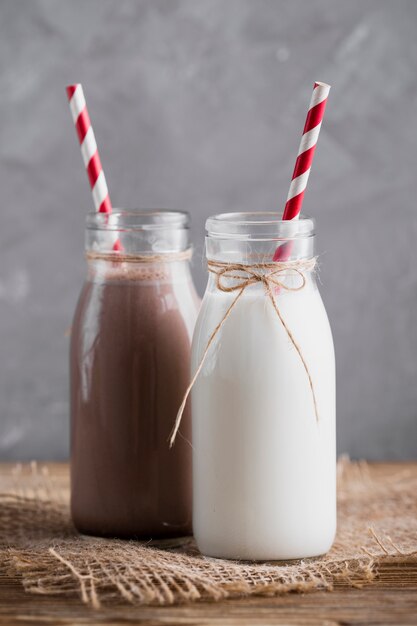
<point>263,404</point>
<point>130,359</point>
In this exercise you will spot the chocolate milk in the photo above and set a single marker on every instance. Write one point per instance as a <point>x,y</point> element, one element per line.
<point>130,353</point>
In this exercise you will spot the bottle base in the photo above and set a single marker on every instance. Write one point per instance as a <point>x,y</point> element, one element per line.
<point>246,553</point>
<point>109,530</point>
<point>131,535</point>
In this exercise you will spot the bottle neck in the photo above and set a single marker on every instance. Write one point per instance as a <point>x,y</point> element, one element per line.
<point>259,252</point>
<point>137,233</point>
<point>252,238</point>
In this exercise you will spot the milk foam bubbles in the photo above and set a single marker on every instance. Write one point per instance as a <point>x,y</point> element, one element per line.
<point>264,471</point>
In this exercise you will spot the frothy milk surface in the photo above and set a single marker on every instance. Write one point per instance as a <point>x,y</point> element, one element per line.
<point>263,467</point>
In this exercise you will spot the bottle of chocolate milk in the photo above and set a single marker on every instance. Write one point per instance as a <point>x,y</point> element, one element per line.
<point>129,364</point>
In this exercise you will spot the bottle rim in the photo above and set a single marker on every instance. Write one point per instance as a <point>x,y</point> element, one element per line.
<point>259,226</point>
<point>138,220</point>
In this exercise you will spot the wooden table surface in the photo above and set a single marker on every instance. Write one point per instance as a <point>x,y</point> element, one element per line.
<point>392,599</point>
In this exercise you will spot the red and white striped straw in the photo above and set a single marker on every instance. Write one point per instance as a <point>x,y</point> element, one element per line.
<point>89,149</point>
<point>306,151</point>
<point>305,156</point>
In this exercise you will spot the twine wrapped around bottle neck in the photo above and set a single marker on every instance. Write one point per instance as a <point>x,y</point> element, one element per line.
<point>236,277</point>
<point>120,257</point>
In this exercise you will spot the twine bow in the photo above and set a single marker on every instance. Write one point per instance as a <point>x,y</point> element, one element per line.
<point>273,277</point>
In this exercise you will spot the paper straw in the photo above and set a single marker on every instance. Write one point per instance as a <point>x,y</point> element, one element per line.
<point>304,160</point>
<point>89,149</point>
<point>89,153</point>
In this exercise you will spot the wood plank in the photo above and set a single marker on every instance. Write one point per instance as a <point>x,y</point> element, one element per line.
<point>395,606</point>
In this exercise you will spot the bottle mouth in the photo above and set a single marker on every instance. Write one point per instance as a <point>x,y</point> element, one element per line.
<point>258,226</point>
<point>138,220</point>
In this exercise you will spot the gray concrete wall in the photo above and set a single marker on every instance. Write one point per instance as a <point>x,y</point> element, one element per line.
<point>199,104</point>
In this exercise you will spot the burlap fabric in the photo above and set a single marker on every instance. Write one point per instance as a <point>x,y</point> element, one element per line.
<point>377,521</point>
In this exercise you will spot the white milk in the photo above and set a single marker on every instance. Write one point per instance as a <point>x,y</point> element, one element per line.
<point>264,468</point>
